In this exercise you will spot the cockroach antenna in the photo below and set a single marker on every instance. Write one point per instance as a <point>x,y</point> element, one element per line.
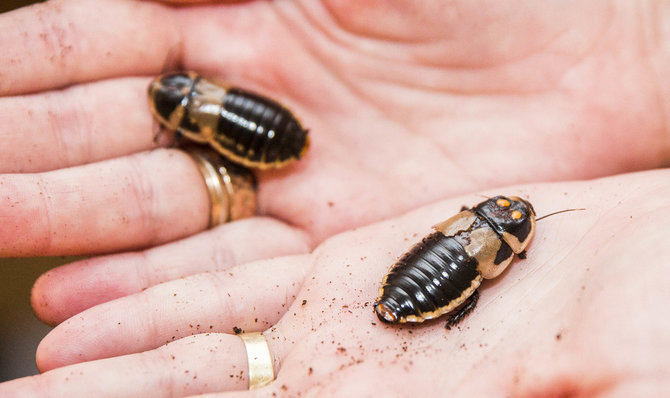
<point>557,212</point>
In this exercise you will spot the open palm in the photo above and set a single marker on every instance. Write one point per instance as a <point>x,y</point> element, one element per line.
<point>583,315</point>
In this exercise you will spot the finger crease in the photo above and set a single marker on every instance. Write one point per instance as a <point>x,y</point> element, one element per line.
<point>46,214</point>
<point>142,190</point>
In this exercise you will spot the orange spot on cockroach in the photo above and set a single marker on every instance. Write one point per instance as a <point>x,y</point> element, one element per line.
<point>503,202</point>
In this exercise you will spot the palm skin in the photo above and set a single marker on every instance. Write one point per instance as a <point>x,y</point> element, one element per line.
<point>426,102</point>
<point>583,315</point>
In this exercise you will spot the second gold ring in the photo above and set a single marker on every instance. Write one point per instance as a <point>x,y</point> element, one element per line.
<point>231,188</point>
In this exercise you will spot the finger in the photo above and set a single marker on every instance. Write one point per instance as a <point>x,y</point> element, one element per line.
<point>131,202</point>
<point>250,297</point>
<point>193,365</point>
<point>200,1</point>
<point>83,124</point>
<point>57,43</point>
<point>55,298</point>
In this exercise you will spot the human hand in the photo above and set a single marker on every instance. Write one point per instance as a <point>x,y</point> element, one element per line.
<point>422,104</point>
<point>427,102</point>
<point>584,314</point>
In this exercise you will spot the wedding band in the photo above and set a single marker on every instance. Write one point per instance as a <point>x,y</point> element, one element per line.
<point>261,372</point>
<point>231,188</point>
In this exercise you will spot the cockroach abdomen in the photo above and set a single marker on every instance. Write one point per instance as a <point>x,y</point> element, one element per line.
<point>428,278</point>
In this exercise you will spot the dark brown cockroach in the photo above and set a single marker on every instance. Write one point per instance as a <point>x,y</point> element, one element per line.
<point>442,272</point>
<point>245,127</point>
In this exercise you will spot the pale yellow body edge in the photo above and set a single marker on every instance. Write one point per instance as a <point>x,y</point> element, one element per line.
<point>447,308</point>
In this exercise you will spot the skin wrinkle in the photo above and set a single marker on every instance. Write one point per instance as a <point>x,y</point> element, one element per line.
<point>321,57</point>
<point>144,274</point>
<point>223,301</point>
<point>591,49</point>
<point>324,58</point>
<point>597,38</point>
<point>361,93</point>
<point>152,326</point>
<point>454,160</point>
<point>223,259</point>
<point>69,124</point>
<point>317,53</point>
<point>57,123</point>
<point>357,34</point>
<point>566,384</point>
<point>427,77</point>
<point>336,45</point>
<point>142,190</point>
<point>162,355</point>
<point>46,214</point>
<point>412,78</point>
<point>84,128</point>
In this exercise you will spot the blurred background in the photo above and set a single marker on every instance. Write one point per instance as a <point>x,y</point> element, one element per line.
<point>7,5</point>
<point>20,331</point>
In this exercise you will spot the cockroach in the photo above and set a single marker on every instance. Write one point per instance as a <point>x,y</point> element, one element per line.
<point>247,128</point>
<point>441,274</point>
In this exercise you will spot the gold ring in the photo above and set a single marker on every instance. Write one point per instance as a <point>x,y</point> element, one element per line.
<point>231,188</point>
<point>261,372</point>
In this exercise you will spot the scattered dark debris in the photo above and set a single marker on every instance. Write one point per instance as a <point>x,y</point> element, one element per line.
<point>237,330</point>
